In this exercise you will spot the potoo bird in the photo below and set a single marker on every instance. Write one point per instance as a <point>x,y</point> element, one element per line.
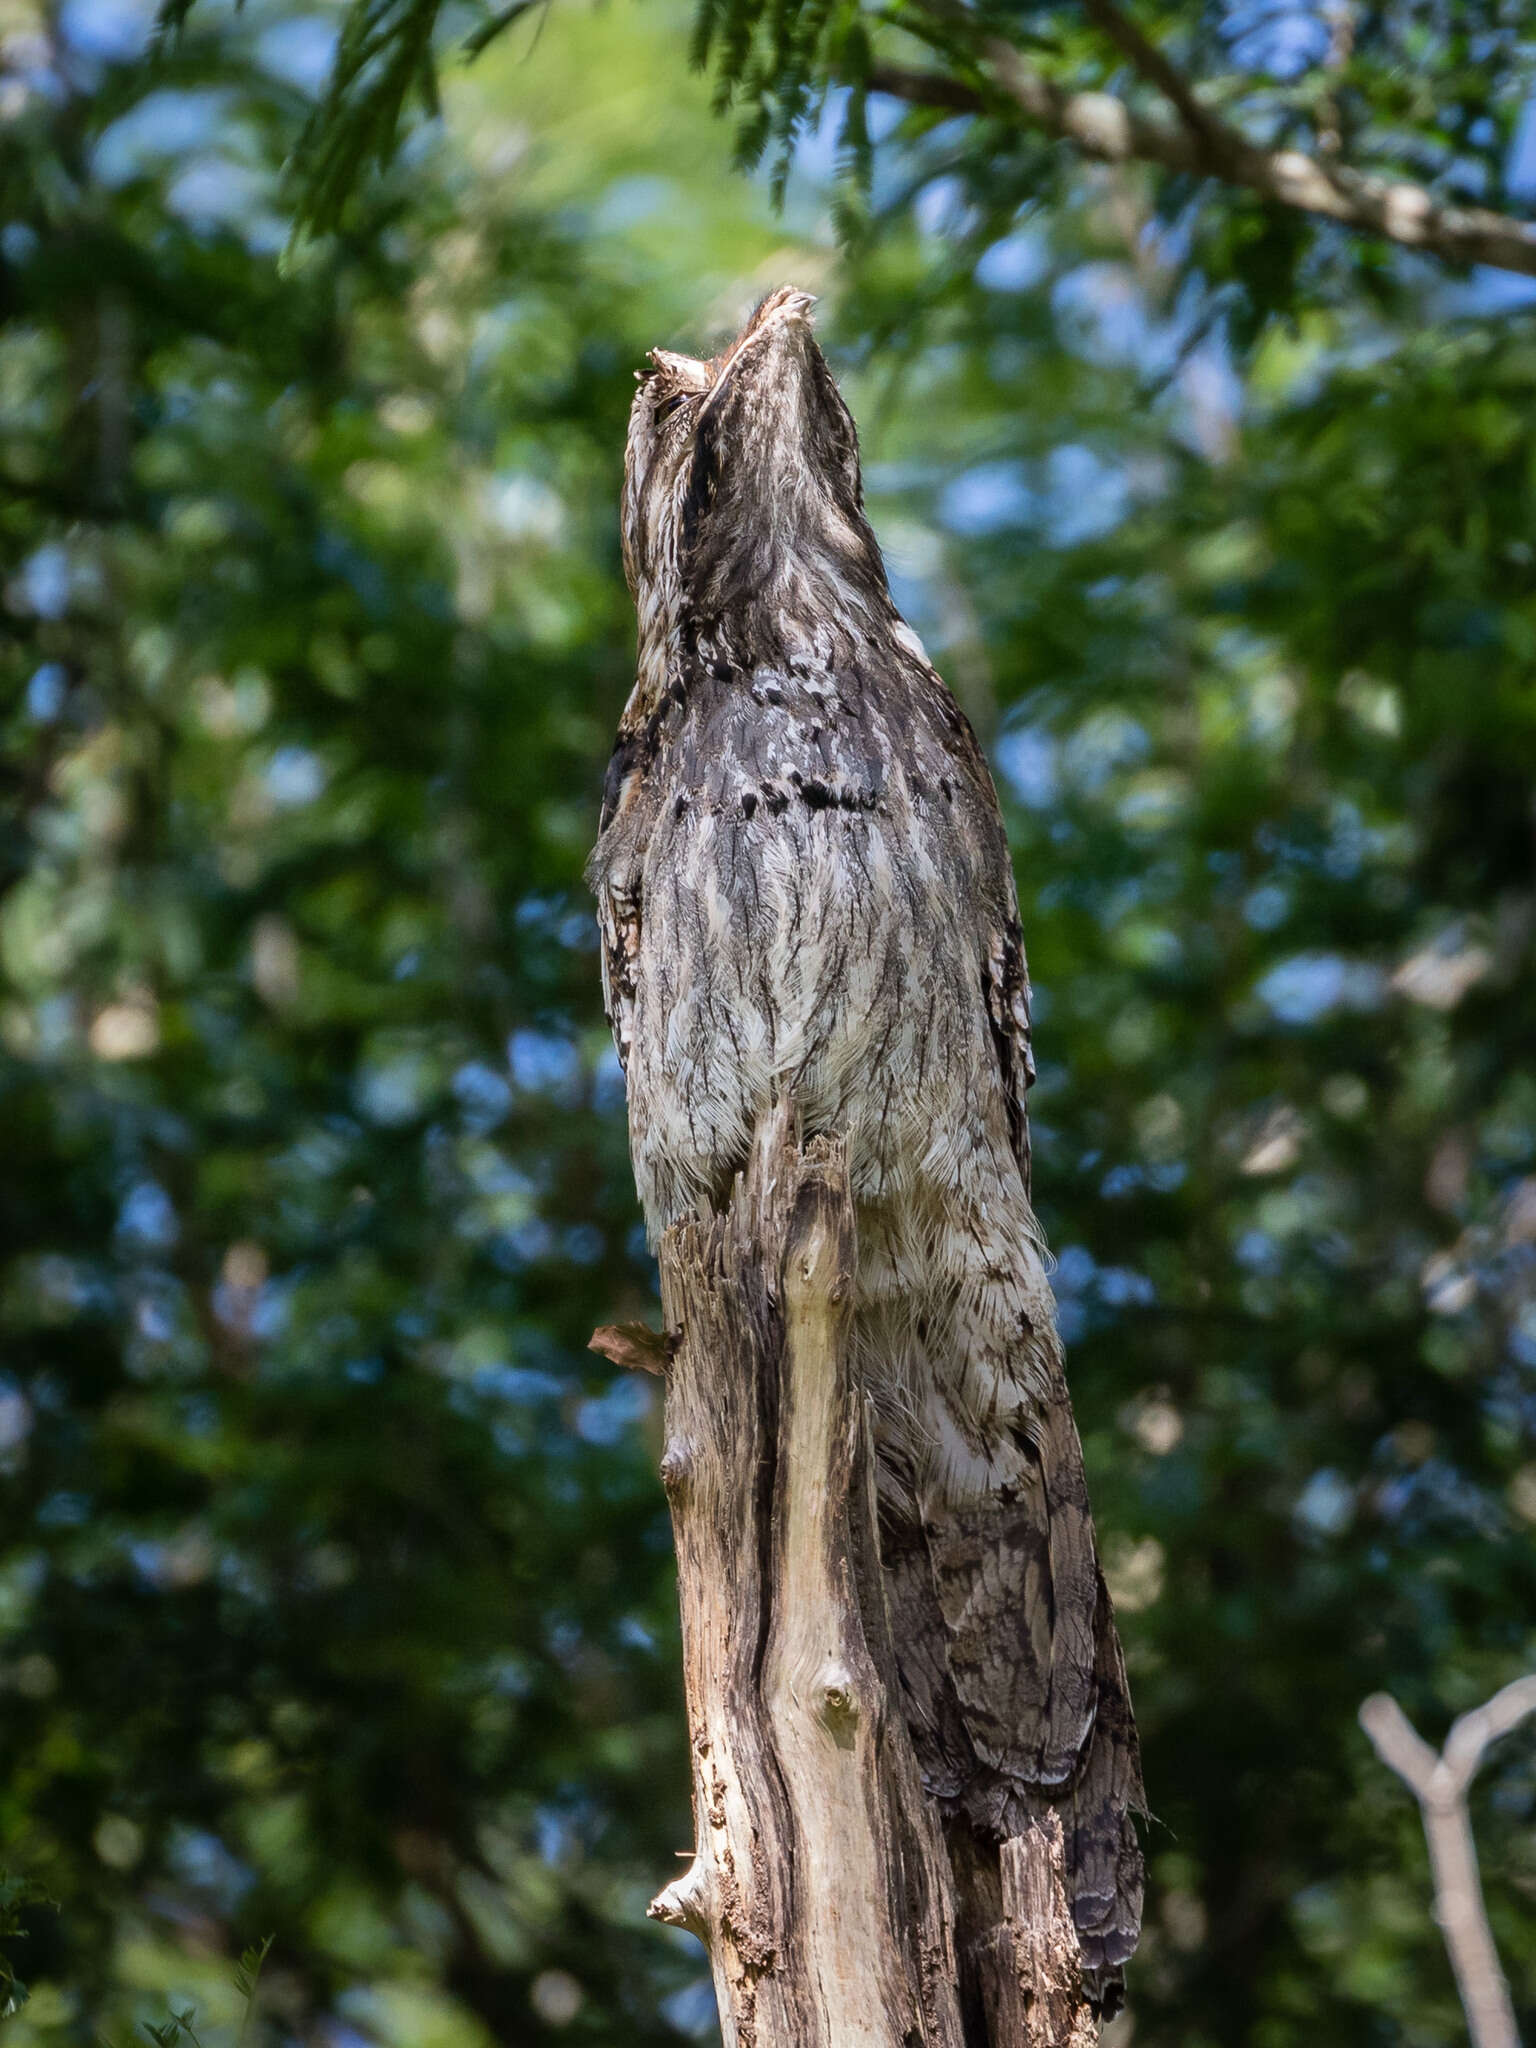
<point>805,889</point>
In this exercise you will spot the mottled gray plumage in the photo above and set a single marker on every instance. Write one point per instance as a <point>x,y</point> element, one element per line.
<point>804,886</point>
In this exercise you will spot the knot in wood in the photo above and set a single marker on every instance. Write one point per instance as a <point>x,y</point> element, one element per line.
<point>685,1902</point>
<point>837,1699</point>
<point>676,1467</point>
<point>813,1274</point>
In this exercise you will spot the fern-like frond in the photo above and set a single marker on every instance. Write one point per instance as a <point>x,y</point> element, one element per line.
<point>247,1978</point>
<point>385,51</point>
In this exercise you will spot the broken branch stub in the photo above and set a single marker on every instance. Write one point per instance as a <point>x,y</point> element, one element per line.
<point>1032,1969</point>
<point>635,1346</point>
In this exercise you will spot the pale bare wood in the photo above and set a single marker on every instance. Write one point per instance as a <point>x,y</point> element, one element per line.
<point>1033,1980</point>
<point>820,1883</point>
<point>820,1687</point>
<point>1439,1782</point>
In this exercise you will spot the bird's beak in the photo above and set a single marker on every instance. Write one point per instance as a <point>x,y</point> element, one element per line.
<point>780,309</point>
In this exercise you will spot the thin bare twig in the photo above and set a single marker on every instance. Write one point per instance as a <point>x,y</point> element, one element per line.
<point>1439,1783</point>
<point>1340,16</point>
<point>1220,141</point>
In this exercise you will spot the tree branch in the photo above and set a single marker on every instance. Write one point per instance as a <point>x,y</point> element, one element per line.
<point>925,89</point>
<point>1439,1783</point>
<point>1221,143</point>
<point>1474,1732</point>
<point>1103,127</point>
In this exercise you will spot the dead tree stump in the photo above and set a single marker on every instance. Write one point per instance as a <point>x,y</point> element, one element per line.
<point>820,1883</point>
<point>1031,1971</point>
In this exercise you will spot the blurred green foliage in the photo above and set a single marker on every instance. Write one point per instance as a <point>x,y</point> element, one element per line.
<point>1431,93</point>
<point>335,1579</point>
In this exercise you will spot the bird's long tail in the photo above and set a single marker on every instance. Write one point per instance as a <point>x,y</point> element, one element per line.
<point>1011,1669</point>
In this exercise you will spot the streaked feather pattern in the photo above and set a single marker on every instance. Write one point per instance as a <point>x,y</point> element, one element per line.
<point>804,886</point>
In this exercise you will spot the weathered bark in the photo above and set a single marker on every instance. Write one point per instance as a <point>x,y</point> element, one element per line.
<point>820,1885</point>
<point>1031,1971</point>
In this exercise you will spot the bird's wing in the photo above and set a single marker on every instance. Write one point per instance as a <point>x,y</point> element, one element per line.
<point>1035,1665</point>
<point>1004,970</point>
<point>613,872</point>
<point>1005,980</point>
<point>618,921</point>
<point>1015,1683</point>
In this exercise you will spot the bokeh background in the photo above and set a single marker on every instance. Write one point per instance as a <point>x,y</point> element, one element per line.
<point>336,1594</point>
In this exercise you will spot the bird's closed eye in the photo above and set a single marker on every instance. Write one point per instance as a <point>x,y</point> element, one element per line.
<point>667,407</point>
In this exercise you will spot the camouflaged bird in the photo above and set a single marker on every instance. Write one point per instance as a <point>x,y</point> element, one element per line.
<point>805,889</point>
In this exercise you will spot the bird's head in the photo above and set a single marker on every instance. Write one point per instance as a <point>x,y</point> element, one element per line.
<point>742,490</point>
